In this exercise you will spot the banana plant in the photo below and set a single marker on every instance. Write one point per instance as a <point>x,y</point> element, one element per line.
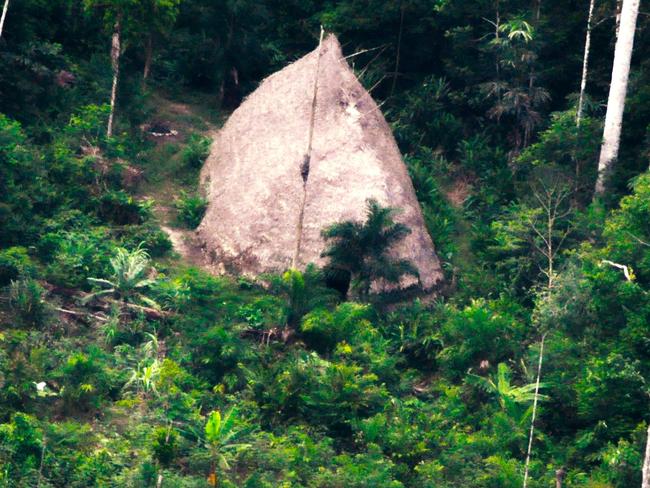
<point>144,377</point>
<point>221,434</point>
<point>510,397</point>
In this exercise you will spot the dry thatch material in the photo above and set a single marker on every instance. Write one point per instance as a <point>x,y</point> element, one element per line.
<point>266,211</point>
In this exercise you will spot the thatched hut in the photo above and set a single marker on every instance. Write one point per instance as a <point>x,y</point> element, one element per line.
<point>306,149</point>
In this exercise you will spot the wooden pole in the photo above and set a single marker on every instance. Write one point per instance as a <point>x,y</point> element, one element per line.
<point>532,420</point>
<point>304,168</point>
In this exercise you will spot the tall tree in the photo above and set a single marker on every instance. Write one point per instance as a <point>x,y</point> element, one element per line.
<point>585,63</point>
<point>116,47</point>
<point>155,19</point>
<point>617,93</point>
<point>116,13</point>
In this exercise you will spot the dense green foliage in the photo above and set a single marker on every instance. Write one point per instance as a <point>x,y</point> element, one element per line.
<point>122,366</point>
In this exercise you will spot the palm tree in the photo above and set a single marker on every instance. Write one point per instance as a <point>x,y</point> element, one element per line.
<point>516,96</point>
<point>129,279</point>
<point>302,291</point>
<point>360,250</point>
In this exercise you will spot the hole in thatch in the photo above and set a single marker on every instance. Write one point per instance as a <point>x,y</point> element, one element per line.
<point>304,168</point>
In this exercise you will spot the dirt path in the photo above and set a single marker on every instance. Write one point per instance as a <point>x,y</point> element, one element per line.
<point>166,176</point>
<point>185,245</point>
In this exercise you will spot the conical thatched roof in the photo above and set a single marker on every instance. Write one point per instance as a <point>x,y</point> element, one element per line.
<point>262,215</point>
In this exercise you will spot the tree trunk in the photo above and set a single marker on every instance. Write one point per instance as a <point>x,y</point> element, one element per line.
<point>559,477</point>
<point>42,463</point>
<point>585,63</point>
<point>399,47</point>
<point>4,16</point>
<point>617,93</point>
<point>645,483</point>
<point>497,25</point>
<point>532,419</point>
<point>538,11</point>
<point>531,75</point>
<point>115,61</point>
<point>159,481</point>
<point>148,59</point>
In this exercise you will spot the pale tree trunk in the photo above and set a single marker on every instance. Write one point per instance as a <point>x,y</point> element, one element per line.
<point>538,11</point>
<point>115,62</point>
<point>4,16</point>
<point>148,58</point>
<point>585,63</point>
<point>534,414</point>
<point>617,93</point>
<point>645,483</point>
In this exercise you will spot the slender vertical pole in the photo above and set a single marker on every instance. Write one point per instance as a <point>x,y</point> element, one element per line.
<point>585,63</point>
<point>645,482</point>
<point>4,16</point>
<point>532,420</point>
<point>305,166</point>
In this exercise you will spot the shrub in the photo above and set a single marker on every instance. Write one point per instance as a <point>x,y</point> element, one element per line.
<point>149,235</point>
<point>415,330</point>
<point>120,208</point>
<point>612,377</point>
<point>80,255</point>
<point>85,380</point>
<point>481,331</point>
<point>323,393</point>
<point>26,301</point>
<point>21,439</point>
<point>88,125</point>
<point>190,209</point>
<point>302,292</point>
<point>439,215</point>
<point>362,470</point>
<point>164,445</point>
<point>196,150</point>
<point>15,263</point>
<point>18,174</point>
<point>323,329</point>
